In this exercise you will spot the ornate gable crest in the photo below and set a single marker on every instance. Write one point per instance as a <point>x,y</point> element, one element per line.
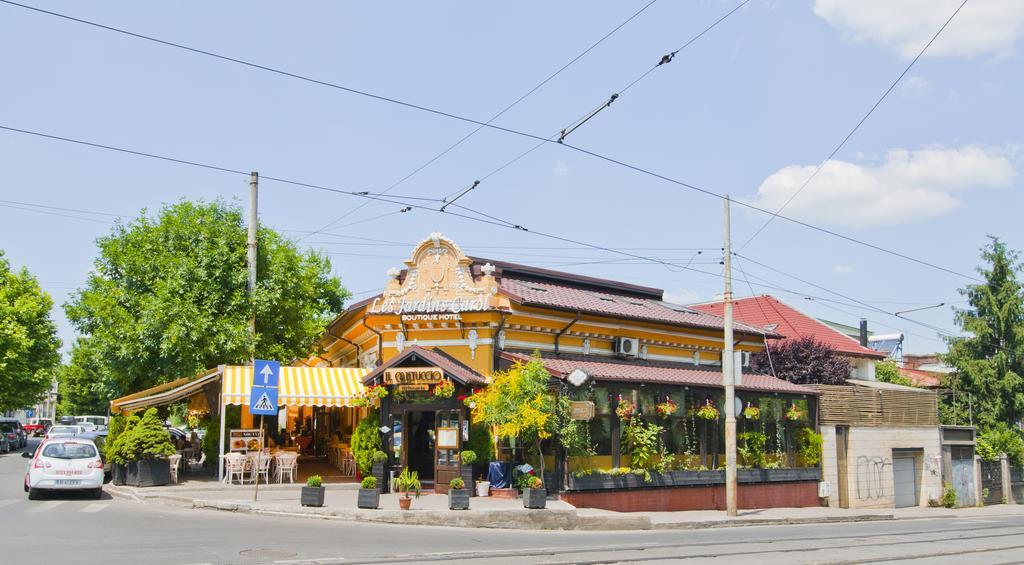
<point>439,281</point>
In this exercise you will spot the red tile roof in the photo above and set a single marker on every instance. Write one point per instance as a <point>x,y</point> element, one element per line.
<point>926,379</point>
<point>764,310</point>
<point>652,372</point>
<point>547,294</point>
<point>452,367</point>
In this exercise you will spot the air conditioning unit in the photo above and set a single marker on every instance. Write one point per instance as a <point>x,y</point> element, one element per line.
<point>626,346</point>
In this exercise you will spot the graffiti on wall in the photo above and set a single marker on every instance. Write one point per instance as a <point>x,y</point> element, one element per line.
<point>871,473</point>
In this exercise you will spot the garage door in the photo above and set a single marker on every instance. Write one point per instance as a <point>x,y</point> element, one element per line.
<point>905,471</point>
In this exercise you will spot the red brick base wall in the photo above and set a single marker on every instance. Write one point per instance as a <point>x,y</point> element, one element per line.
<point>768,495</point>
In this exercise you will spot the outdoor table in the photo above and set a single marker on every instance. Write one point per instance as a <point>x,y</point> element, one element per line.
<point>499,474</point>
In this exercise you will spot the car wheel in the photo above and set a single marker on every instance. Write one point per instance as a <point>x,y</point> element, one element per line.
<point>34,494</point>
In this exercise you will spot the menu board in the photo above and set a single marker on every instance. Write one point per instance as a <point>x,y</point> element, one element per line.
<point>448,438</point>
<point>245,440</point>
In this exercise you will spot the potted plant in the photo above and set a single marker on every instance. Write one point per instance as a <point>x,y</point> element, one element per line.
<point>708,411</point>
<point>406,482</point>
<point>625,409</point>
<point>752,412</point>
<point>458,495</point>
<point>313,492</point>
<point>113,448</point>
<point>377,470</point>
<point>667,408</point>
<point>369,496</point>
<point>534,493</point>
<point>467,458</point>
<point>145,448</point>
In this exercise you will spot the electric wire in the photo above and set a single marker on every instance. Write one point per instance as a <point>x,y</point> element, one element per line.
<point>452,116</point>
<point>854,130</point>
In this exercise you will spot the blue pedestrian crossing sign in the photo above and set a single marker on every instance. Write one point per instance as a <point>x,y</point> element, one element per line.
<point>265,378</point>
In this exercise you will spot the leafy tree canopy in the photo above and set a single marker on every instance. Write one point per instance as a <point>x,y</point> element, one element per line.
<point>168,297</point>
<point>989,361</point>
<point>803,361</point>
<point>889,372</point>
<point>28,339</point>
<point>84,383</point>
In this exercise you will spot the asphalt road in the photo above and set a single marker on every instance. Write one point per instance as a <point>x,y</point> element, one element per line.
<point>73,529</point>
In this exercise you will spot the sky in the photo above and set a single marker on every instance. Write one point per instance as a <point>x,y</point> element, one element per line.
<point>751,109</point>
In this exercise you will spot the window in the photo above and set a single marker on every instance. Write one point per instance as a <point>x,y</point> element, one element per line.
<point>70,451</point>
<point>600,426</point>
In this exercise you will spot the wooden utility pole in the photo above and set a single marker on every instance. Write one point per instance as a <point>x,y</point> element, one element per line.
<point>728,373</point>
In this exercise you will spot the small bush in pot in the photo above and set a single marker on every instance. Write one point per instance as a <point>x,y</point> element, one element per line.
<point>534,493</point>
<point>467,458</point>
<point>405,483</point>
<point>458,494</point>
<point>313,492</point>
<point>145,448</point>
<point>369,496</point>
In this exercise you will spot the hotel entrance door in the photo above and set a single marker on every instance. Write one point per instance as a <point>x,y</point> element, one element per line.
<point>420,451</point>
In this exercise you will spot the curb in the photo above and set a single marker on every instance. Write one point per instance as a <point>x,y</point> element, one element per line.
<point>771,522</point>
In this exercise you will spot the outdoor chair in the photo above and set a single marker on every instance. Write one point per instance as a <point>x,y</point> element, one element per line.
<point>197,464</point>
<point>234,465</point>
<point>174,461</point>
<point>260,466</point>
<point>348,465</point>
<point>287,464</point>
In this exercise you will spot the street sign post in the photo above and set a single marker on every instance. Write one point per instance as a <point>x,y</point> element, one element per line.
<point>265,378</point>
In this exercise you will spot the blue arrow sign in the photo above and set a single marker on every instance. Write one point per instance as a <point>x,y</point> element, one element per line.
<point>265,378</point>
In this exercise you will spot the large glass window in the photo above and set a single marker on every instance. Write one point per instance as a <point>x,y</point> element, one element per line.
<point>600,426</point>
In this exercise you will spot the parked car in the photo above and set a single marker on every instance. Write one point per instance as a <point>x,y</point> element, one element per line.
<point>10,436</point>
<point>97,420</point>
<point>67,421</point>
<point>64,464</point>
<point>38,426</point>
<point>64,431</point>
<point>5,446</point>
<point>19,430</point>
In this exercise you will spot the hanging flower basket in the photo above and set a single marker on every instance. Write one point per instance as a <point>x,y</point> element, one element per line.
<point>707,411</point>
<point>667,408</point>
<point>752,412</point>
<point>625,409</point>
<point>795,413</point>
<point>444,389</point>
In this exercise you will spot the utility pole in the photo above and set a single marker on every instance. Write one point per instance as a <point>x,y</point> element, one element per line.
<point>254,181</point>
<point>728,374</point>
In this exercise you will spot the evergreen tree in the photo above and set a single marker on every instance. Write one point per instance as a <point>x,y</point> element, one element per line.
<point>989,361</point>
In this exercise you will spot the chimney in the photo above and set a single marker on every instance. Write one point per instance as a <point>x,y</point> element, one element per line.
<point>863,332</point>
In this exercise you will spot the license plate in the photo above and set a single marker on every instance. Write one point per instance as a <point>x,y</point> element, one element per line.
<point>68,482</point>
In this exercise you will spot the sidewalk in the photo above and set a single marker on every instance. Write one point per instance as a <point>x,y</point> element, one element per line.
<point>487,512</point>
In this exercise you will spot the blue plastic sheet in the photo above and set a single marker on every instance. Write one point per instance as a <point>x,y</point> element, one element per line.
<point>499,474</point>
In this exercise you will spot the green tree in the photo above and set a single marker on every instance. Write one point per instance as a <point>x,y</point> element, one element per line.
<point>28,339</point>
<point>366,440</point>
<point>147,439</point>
<point>989,360</point>
<point>168,296</point>
<point>83,382</point>
<point>889,372</point>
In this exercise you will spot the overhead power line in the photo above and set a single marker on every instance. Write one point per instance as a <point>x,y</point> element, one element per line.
<point>852,131</point>
<point>500,113</point>
<point>445,114</point>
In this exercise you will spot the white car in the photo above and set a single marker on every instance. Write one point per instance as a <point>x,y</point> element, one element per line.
<point>64,464</point>
<point>64,431</point>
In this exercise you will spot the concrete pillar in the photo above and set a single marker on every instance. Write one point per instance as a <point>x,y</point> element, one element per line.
<point>977,481</point>
<point>1004,474</point>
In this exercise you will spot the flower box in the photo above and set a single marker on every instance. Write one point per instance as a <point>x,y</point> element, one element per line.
<point>697,478</point>
<point>148,473</point>
<point>458,498</point>
<point>312,496</point>
<point>368,498</point>
<point>378,471</point>
<point>534,497</point>
<point>117,474</point>
<point>466,472</point>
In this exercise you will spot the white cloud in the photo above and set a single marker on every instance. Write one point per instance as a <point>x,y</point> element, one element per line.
<point>914,82</point>
<point>905,185</point>
<point>560,169</point>
<point>681,296</point>
<point>843,269</point>
<point>905,26</point>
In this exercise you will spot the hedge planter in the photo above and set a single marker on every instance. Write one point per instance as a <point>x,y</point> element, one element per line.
<point>458,499</point>
<point>117,474</point>
<point>369,498</point>
<point>467,477</point>
<point>314,496</point>
<point>534,497</point>
<point>379,472</point>
<point>148,473</point>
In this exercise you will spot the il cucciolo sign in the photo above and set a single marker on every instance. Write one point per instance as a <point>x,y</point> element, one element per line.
<point>406,377</point>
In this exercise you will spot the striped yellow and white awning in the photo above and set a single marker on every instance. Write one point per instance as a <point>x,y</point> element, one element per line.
<point>299,386</point>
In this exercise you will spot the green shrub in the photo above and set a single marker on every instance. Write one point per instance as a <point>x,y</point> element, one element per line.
<point>481,442</point>
<point>949,496</point>
<point>1001,439</point>
<point>467,457</point>
<point>366,441</point>
<point>369,482</point>
<point>752,451</point>
<point>148,439</point>
<point>457,484</point>
<point>315,481</point>
<point>115,429</point>
<point>810,446</point>
<point>116,449</point>
<point>379,456</point>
